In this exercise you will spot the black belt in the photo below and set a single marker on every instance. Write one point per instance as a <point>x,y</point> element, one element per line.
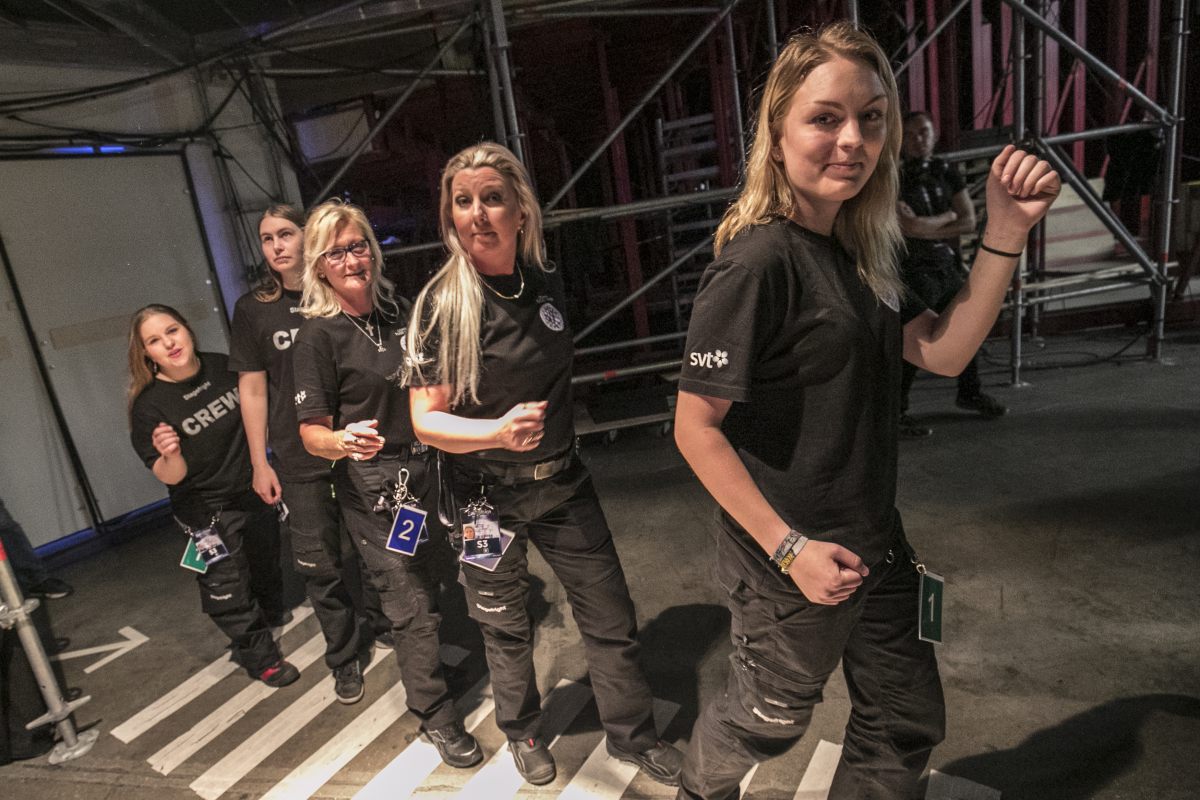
<point>512,474</point>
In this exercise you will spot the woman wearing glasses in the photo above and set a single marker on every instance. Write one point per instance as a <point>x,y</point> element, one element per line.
<point>491,378</point>
<point>346,359</point>
<point>184,423</point>
<point>265,323</point>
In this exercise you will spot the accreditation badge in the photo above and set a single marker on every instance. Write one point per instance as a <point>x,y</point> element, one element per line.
<point>408,530</point>
<point>929,622</point>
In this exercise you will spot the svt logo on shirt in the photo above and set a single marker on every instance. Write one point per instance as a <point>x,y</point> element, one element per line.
<point>714,360</point>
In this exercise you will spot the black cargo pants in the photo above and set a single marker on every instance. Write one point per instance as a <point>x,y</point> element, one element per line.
<point>561,515</point>
<point>785,649</point>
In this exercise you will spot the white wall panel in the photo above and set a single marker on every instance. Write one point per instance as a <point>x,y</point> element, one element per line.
<point>90,240</point>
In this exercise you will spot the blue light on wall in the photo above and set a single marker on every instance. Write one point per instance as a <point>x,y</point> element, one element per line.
<point>88,150</point>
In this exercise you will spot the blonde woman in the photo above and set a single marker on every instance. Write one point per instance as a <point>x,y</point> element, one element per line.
<point>184,424</point>
<point>491,385</point>
<point>788,412</point>
<point>347,359</point>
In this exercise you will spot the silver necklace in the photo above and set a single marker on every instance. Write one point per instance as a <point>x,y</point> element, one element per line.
<point>368,329</point>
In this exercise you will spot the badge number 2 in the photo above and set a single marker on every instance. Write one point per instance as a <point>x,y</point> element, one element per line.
<point>406,530</point>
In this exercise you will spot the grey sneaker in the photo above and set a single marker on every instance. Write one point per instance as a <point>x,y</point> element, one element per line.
<point>348,682</point>
<point>456,747</point>
<point>533,760</point>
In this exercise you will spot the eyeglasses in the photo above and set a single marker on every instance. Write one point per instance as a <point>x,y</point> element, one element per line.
<point>336,255</point>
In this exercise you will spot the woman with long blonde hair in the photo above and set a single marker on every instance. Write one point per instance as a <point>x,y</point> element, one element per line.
<point>347,360</point>
<point>491,357</point>
<point>184,424</point>
<point>788,411</point>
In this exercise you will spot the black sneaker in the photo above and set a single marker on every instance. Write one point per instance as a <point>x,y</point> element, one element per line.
<point>982,404</point>
<point>281,673</point>
<point>456,747</point>
<point>662,762</point>
<point>911,429</point>
<point>51,589</point>
<point>533,760</point>
<point>348,682</point>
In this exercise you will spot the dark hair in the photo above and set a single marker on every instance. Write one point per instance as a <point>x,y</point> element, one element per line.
<point>911,115</point>
<point>270,288</point>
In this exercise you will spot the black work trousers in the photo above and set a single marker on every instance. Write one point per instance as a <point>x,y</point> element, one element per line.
<point>314,527</point>
<point>408,586</point>
<point>561,515</point>
<point>236,591</point>
<point>20,702</point>
<point>785,649</point>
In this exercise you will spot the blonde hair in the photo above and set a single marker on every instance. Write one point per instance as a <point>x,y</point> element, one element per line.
<point>320,230</point>
<point>866,224</point>
<point>141,368</point>
<point>270,288</point>
<point>450,307</point>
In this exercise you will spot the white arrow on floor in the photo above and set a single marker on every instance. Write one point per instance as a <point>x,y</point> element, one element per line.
<point>132,640</point>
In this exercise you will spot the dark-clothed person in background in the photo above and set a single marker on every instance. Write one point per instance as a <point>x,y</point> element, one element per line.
<point>934,210</point>
<point>185,425</point>
<point>788,412</point>
<point>265,324</point>
<point>352,410</point>
<point>491,384</point>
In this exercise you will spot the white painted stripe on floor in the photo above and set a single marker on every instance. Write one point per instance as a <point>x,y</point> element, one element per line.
<point>948,787</point>
<point>499,777</point>
<point>818,777</point>
<point>190,689</point>
<point>236,764</point>
<point>603,777</point>
<point>220,719</point>
<point>417,762</point>
<point>744,785</point>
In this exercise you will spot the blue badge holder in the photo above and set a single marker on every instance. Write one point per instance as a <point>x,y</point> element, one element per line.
<point>408,530</point>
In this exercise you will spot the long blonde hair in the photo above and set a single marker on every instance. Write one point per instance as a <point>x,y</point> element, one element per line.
<point>141,368</point>
<point>866,224</point>
<point>450,307</point>
<point>270,287</point>
<point>320,230</point>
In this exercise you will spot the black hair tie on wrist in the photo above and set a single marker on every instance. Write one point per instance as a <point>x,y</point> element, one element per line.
<point>996,252</point>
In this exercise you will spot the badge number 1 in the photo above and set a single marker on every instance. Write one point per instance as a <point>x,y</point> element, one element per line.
<point>929,623</point>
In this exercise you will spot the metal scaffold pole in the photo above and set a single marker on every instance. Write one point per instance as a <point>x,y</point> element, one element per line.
<point>1018,295</point>
<point>15,612</point>
<point>499,52</point>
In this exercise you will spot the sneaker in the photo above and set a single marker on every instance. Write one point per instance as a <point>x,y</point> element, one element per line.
<point>533,760</point>
<point>911,429</point>
<point>51,589</point>
<point>348,682</point>
<point>281,673</point>
<point>456,747</point>
<point>662,762</point>
<point>277,619</point>
<point>982,404</point>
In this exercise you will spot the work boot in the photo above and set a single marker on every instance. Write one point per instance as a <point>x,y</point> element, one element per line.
<point>533,760</point>
<point>911,429</point>
<point>281,673</point>
<point>348,682</point>
<point>456,747</point>
<point>982,404</point>
<point>662,762</point>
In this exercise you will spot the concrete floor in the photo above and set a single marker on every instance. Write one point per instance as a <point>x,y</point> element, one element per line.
<point>1068,531</point>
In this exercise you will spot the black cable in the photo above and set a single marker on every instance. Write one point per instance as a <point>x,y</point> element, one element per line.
<point>1089,359</point>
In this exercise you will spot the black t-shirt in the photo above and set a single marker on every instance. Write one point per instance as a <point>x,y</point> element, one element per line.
<point>206,413</point>
<point>928,187</point>
<point>341,373</point>
<point>784,327</point>
<point>526,354</point>
<point>261,342</point>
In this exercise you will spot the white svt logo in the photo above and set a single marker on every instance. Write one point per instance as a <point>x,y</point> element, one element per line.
<point>716,359</point>
<point>300,397</point>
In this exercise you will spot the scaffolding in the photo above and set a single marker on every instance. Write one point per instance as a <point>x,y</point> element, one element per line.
<point>1030,83</point>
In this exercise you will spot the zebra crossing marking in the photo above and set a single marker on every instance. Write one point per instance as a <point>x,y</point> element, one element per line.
<point>220,719</point>
<point>744,784</point>
<point>414,764</point>
<point>603,777</point>
<point>948,787</point>
<point>498,778</point>
<point>190,689</point>
<point>818,777</point>
<point>217,779</point>
<point>336,753</point>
